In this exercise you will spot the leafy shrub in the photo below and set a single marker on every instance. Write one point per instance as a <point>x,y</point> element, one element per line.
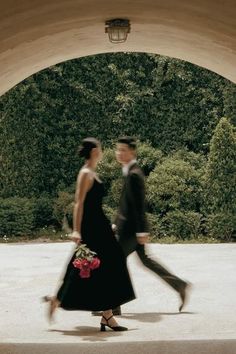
<point>43,212</point>
<point>198,161</point>
<point>220,176</point>
<point>155,226</point>
<point>108,169</point>
<point>183,225</point>
<point>114,193</point>
<point>174,184</point>
<point>222,226</point>
<point>63,207</point>
<point>148,157</point>
<point>17,216</point>
<point>110,212</point>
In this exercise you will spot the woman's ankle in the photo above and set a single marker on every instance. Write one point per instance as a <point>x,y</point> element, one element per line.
<point>107,314</point>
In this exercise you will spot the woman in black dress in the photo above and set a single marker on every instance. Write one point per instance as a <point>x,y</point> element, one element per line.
<point>109,285</point>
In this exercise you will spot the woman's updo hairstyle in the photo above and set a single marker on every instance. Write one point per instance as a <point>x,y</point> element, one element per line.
<point>86,147</point>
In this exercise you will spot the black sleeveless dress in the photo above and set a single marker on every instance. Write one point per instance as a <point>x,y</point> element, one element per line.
<point>109,285</point>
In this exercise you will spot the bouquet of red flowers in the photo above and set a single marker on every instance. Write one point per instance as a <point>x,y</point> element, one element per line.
<point>85,261</point>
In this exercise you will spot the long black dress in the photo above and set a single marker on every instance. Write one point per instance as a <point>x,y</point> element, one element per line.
<point>109,285</point>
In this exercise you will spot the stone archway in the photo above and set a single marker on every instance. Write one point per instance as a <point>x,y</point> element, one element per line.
<point>40,33</point>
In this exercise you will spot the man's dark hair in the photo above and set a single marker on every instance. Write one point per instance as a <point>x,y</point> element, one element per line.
<point>128,140</point>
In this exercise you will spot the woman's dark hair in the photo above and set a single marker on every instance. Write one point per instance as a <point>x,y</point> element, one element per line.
<point>87,145</point>
<point>128,140</point>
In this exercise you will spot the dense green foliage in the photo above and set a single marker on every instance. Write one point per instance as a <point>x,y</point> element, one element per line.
<point>170,103</point>
<point>174,184</point>
<point>172,107</point>
<point>220,176</point>
<point>220,181</point>
<point>17,216</point>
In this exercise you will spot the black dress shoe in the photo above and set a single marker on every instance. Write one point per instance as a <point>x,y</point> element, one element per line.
<point>184,295</point>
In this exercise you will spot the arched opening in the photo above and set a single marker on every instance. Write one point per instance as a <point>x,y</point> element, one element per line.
<point>38,34</point>
<point>170,104</point>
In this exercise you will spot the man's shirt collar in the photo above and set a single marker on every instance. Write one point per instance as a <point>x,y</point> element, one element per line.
<point>125,168</point>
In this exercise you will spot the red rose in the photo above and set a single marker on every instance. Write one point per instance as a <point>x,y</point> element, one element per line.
<point>84,273</point>
<point>85,263</point>
<point>77,263</point>
<point>95,263</point>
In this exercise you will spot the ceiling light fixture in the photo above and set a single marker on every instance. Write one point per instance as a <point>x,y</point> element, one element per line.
<point>117,30</point>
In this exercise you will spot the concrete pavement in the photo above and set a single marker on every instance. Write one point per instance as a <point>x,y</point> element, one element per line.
<point>207,325</point>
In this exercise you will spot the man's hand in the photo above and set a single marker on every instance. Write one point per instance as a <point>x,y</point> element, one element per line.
<point>75,236</point>
<point>142,238</point>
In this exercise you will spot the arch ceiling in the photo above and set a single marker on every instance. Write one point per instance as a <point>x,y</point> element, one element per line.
<point>35,34</point>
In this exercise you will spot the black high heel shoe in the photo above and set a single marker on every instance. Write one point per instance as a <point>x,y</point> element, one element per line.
<point>114,328</point>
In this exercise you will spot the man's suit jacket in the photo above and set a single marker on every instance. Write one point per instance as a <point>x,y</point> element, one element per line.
<point>131,218</point>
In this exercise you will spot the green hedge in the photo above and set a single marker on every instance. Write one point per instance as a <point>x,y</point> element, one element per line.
<point>155,227</point>
<point>43,212</point>
<point>182,224</point>
<point>221,226</point>
<point>17,216</point>
<point>172,185</point>
<point>22,216</point>
<point>148,157</point>
<point>63,208</point>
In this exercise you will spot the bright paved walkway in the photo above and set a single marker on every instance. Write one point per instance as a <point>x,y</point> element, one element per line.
<point>207,325</point>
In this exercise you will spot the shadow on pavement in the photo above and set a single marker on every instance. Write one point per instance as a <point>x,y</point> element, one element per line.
<point>152,317</point>
<point>89,333</point>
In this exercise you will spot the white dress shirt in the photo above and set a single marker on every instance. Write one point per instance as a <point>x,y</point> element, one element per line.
<point>125,168</point>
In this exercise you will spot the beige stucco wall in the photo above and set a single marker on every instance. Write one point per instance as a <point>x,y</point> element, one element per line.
<point>35,34</point>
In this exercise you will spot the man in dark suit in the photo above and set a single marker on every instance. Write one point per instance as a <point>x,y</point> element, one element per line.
<point>131,225</point>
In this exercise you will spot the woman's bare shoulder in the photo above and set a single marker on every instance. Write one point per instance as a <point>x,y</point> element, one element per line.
<point>85,174</point>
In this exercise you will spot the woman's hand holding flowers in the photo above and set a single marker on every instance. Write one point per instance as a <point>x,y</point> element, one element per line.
<point>75,236</point>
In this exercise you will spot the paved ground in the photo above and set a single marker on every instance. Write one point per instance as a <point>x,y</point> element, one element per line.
<point>208,324</point>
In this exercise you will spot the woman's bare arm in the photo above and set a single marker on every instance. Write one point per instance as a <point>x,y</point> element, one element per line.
<point>84,183</point>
